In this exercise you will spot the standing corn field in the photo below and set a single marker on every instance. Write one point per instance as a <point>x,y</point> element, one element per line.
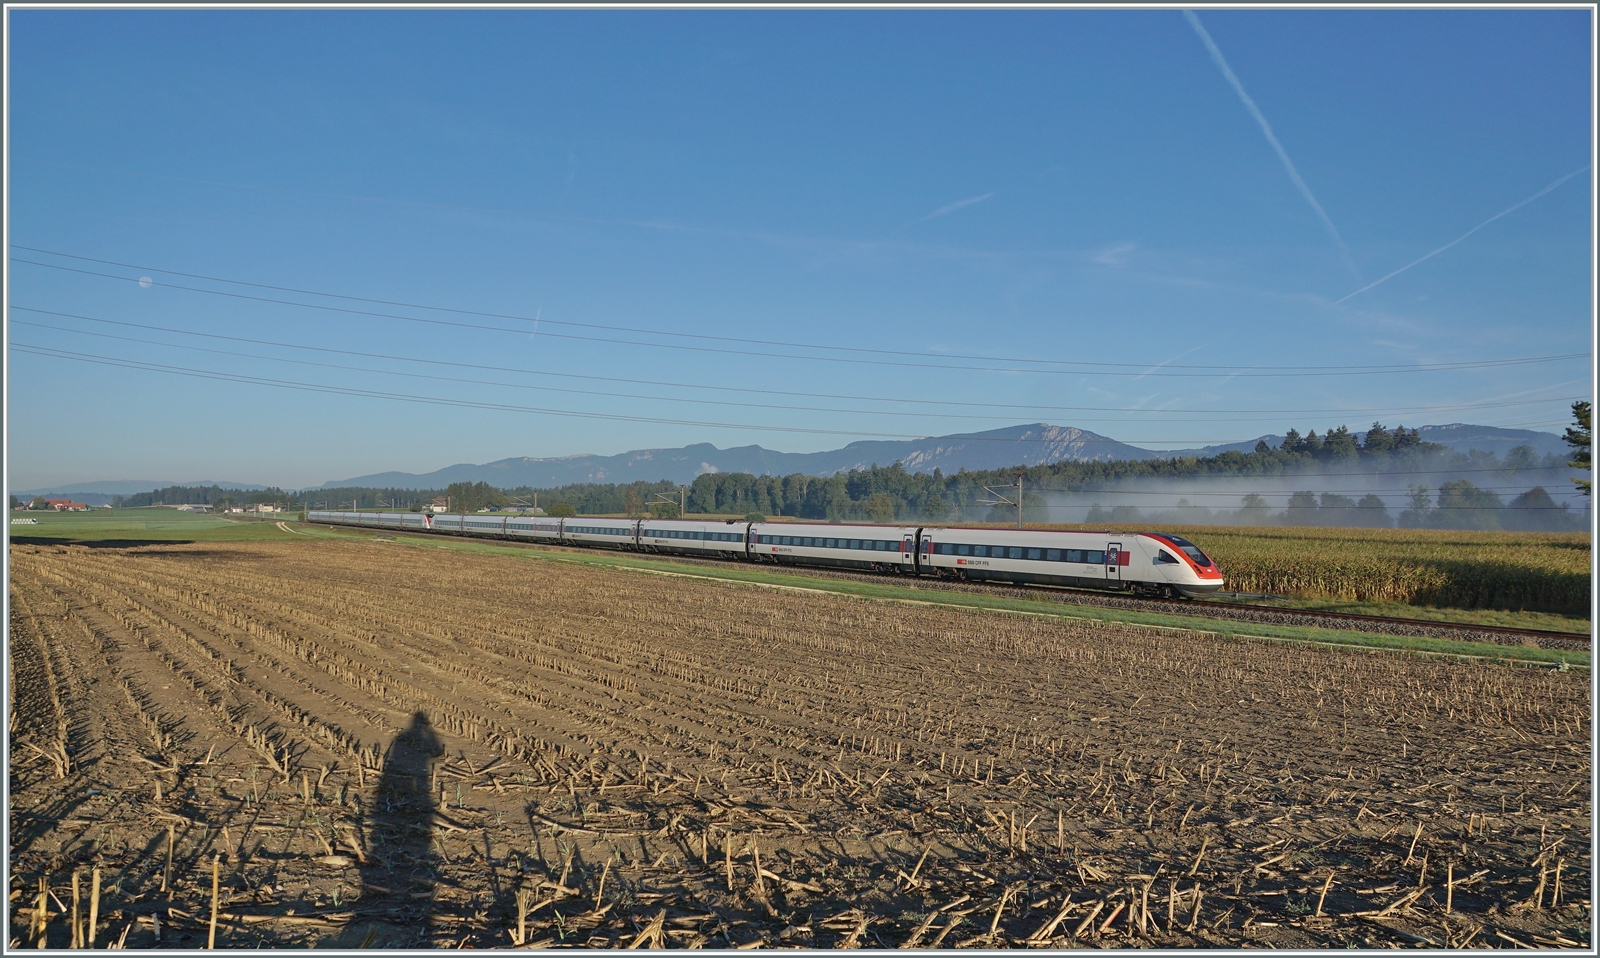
<point>1519,571</point>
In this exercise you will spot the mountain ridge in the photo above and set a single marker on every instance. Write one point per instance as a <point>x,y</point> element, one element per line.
<point>1026,444</point>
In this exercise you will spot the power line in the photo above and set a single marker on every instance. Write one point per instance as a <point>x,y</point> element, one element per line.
<point>606,394</point>
<point>1147,370</point>
<point>474,404</point>
<point>673,333</point>
<point>766,392</point>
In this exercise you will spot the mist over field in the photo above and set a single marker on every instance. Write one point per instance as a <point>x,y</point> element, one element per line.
<point>1532,499</point>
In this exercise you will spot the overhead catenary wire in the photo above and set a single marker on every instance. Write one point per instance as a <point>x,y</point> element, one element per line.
<point>621,395</point>
<point>1381,410</point>
<point>1124,370</point>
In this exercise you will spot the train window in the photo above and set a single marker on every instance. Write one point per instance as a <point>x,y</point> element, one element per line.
<point>1074,555</point>
<point>1052,555</point>
<point>946,548</point>
<point>963,550</point>
<point>1016,552</point>
<point>1164,557</point>
<point>1095,557</point>
<point>1192,551</point>
<point>1033,553</point>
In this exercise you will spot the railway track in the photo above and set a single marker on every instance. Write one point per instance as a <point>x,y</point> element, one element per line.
<point>1211,609</point>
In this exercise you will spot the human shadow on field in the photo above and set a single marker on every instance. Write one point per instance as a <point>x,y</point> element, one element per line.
<point>400,871</point>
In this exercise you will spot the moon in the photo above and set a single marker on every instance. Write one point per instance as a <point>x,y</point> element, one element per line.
<point>144,282</point>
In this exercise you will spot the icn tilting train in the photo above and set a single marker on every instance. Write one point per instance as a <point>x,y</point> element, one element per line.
<point>1144,563</point>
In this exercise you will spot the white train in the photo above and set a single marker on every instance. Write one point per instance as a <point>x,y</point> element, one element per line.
<point>1146,563</point>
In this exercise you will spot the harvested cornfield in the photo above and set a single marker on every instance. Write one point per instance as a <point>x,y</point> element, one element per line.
<point>1517,571</point>
<point>363,742</point>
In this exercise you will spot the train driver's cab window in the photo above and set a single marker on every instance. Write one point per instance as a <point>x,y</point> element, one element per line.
<point>1163,557</point>
<point>1192,551</point>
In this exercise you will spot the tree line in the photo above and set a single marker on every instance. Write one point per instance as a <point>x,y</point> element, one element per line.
<point>891,493</point>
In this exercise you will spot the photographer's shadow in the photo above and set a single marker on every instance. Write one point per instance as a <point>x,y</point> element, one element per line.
<point>400,873</point>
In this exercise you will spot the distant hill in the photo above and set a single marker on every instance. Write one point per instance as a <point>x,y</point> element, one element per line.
<point>1495,439</point>
<point>1032,444</point>
<point>1458,436</point>
<point>82,491</point>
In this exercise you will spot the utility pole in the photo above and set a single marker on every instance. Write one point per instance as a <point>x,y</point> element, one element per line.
<point>1004,498</point>
<point>682,503</point>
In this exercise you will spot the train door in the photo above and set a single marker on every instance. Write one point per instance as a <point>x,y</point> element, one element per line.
<point>1113,562</point>
<point>908,545</point>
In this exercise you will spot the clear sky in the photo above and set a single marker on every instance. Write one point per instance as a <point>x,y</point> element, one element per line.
<point>941,216</point>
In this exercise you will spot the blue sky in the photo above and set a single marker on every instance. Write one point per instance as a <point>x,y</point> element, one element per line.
<point>1036,188</point>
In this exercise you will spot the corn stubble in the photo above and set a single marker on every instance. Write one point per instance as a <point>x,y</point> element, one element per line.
<point>644,761</point>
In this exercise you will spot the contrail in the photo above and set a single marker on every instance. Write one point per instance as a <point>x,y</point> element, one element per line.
<point>1169,362</point>
<point>958,204</point>
<point>1266,128</point>
<point>1509,209</point>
